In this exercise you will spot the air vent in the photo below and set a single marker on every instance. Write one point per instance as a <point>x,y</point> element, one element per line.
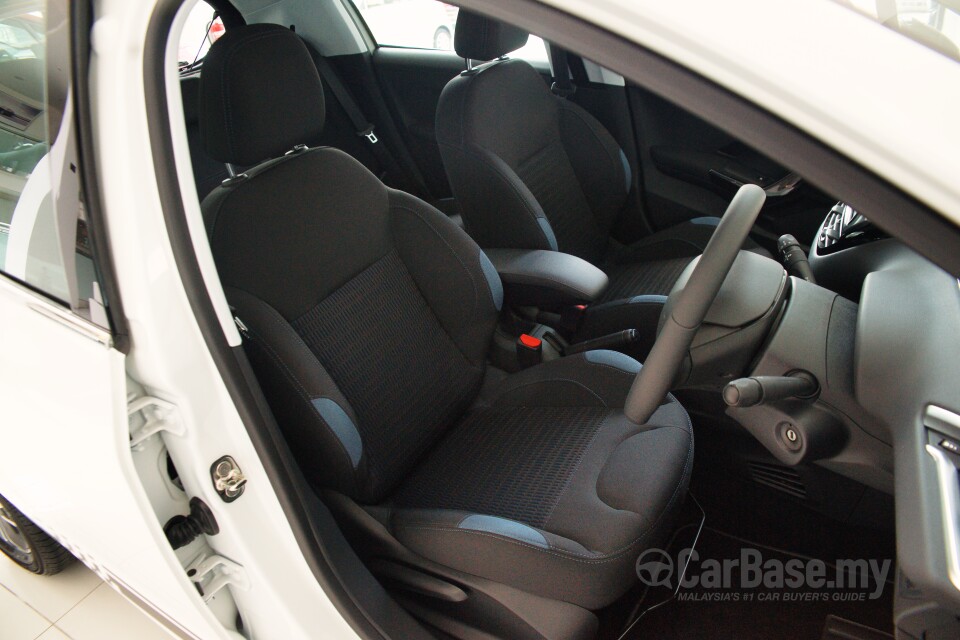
<point>832,229</point>
<point>778,477</point>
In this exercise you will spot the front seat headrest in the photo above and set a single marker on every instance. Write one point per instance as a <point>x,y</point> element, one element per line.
<point>481,38</point>
<point>260,95</point>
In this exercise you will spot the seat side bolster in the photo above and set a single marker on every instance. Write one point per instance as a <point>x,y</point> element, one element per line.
<point>593,378</point>
<point>413,526</point>
<point>315,416</point>
<point>499,210</point>
<point>452,273</point>
<point>598,162</point>
<point>563,569</point>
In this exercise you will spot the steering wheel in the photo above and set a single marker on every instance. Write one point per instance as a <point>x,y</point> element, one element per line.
<point>687,307</point>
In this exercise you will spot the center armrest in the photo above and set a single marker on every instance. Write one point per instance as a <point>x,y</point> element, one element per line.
<point>547,279</point>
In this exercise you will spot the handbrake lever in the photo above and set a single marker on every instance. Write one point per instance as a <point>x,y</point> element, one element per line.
<point>614,341</point>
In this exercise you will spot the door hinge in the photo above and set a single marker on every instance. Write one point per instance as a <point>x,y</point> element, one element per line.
<point>212,573</point>
<point>156,416</point>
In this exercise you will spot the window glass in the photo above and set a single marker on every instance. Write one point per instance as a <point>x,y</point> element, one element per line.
<point>43,233</point>
<point>425,24</point>
<point>933,23</point>
<point>200,31</point>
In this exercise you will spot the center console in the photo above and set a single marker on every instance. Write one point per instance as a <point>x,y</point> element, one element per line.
<point>551,309</point>
<point>545,295</point>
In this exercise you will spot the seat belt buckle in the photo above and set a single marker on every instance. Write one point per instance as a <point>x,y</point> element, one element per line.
<point>369,135</point>
<point>570,317</point>
<point>529,350</point>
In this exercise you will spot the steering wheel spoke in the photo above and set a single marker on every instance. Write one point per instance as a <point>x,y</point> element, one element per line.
<point>687,306</point>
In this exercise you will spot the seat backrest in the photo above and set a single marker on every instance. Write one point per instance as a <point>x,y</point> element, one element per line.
<point>529,169</point>
<point>207,172</point>
<point>338,131</point>
<point>369,312</point>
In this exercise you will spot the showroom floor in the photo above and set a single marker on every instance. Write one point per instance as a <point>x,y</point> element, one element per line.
<point>72,605</point>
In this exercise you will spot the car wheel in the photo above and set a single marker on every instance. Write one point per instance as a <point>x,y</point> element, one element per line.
<point>442,39</point>
<point>27,544</point>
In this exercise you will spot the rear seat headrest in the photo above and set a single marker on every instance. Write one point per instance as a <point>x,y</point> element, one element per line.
<point>260,95</point>
<point>481,38</point>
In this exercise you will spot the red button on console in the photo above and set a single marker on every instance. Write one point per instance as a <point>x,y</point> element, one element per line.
<point>529,341</point>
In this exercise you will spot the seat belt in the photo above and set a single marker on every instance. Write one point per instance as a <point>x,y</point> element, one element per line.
<point>365,128</point>
<point>562,85</point>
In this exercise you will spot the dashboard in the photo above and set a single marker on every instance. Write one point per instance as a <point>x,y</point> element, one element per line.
<point>906,377</point>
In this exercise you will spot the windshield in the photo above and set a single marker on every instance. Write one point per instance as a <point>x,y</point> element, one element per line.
<point>933,23</point>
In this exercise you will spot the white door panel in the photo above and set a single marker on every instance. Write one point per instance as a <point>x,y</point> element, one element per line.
<point>66,461</point>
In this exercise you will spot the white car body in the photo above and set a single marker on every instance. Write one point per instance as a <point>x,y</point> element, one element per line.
<point>64,390</point>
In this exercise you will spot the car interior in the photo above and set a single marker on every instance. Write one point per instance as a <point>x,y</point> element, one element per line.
<point>447,268</point>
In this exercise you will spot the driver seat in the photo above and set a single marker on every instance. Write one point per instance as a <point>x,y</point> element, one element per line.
<point>369,315</point>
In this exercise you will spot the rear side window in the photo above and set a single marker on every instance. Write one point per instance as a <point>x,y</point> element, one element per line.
<point>425,24</point>
<point>43,231</point>
<point>201,30</point>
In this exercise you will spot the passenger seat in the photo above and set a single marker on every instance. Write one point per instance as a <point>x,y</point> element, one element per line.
<point>532,170</point>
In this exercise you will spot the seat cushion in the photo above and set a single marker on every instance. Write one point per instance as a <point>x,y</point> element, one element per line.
<point>653,277</point>
<point>650,266</point>
<point>546,485</point>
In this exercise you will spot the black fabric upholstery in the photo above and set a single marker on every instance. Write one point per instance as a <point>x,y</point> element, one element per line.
<point>507,144</point>
<point>267,98</point>
<point>338,131</point>
<point>411,383</point>
<point>207,172</point>
<point>641,275</point>
<point>369,315</point>
<point>512,462</point>
<point>686,239</point>
<point>481,38</point>
<point>655,277</point>
<point>532,170</point>
<point>550,177</point>
<point>392,303</point>
<point>292,377</point>
<point>273,240</point>
<point>575,490</point>
<point>652,265</point>
<point>600,166</point>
